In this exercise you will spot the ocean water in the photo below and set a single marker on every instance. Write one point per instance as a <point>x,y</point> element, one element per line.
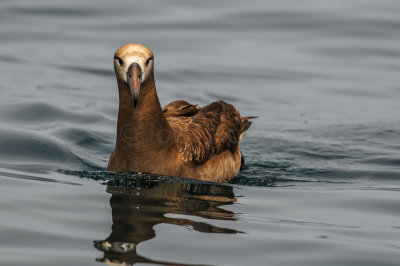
<point>322,184</point>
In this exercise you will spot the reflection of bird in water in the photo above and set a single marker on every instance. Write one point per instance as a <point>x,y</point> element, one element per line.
<point>181,139</point>
<point>136,210</point>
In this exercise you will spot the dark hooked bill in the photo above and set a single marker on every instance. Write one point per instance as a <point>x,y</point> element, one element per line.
<point>134,78</point>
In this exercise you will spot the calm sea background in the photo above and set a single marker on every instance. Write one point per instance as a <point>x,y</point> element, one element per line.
<point>322,184</point>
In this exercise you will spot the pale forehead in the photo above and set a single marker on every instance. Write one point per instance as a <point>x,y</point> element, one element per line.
<point>133,49</point>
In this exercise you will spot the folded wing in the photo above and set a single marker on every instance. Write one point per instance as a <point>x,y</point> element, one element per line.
<point>204,132</point>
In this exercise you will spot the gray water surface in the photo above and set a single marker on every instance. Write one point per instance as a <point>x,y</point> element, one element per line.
<point>322,183</point>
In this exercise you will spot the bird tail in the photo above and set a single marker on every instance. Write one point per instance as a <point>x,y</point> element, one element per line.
<point>246,123</point>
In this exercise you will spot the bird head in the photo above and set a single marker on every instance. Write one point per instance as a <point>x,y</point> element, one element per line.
<point>133,64</point>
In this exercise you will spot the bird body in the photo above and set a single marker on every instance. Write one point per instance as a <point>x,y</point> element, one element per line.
<point>180,139</point>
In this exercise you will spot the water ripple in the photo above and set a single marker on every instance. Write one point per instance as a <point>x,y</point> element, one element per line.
<point>36,178</point>
<point>36,113</point>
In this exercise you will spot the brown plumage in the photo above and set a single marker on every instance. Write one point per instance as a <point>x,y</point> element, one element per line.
<point>180,139</point>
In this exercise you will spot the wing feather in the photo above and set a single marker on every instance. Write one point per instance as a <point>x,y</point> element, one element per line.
<point>204,132</point>
<point>180,108</point>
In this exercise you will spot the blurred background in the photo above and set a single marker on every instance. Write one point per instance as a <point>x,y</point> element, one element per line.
<point>323,77</point>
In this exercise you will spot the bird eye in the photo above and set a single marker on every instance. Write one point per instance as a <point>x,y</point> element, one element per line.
<point>148,61</point>
<point>120,61</point>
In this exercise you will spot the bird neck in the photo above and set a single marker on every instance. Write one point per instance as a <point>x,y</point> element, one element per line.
<point>142,129</point>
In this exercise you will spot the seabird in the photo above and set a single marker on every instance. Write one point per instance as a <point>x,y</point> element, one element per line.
<point>180,139</point>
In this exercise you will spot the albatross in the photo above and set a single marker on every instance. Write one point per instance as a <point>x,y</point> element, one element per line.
<point>181,139</point>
